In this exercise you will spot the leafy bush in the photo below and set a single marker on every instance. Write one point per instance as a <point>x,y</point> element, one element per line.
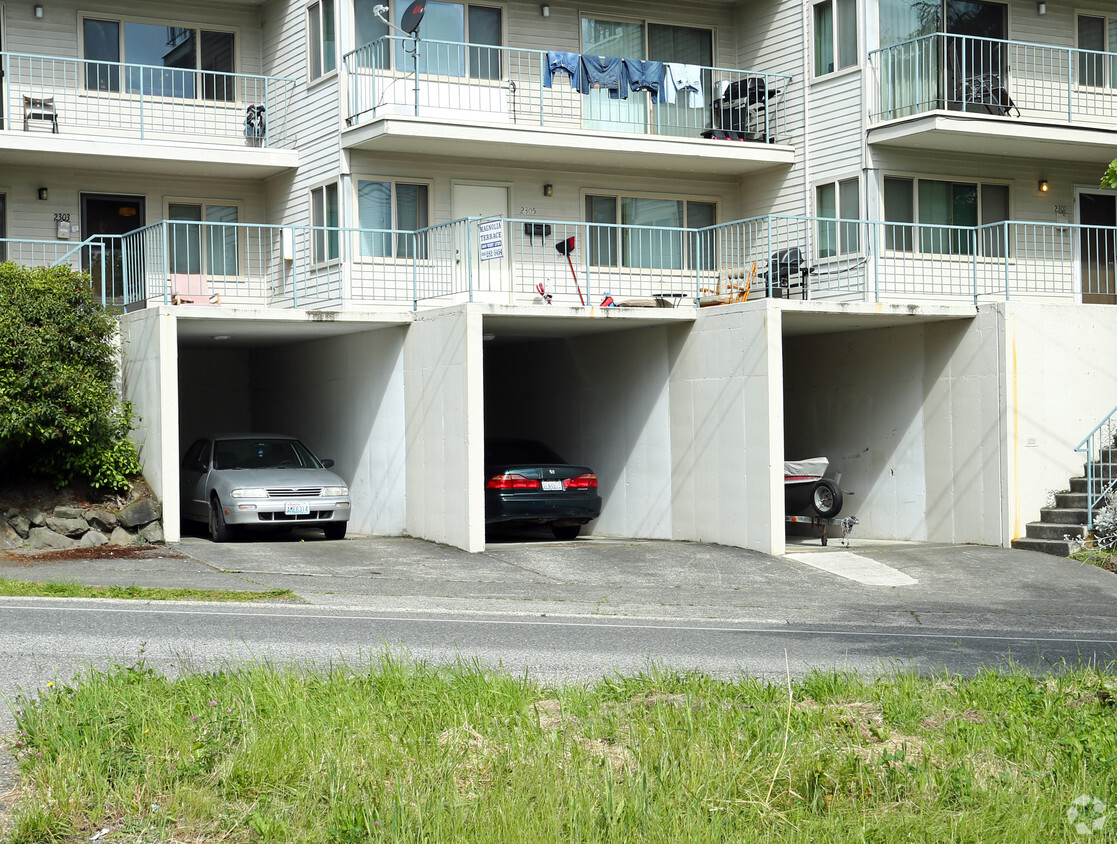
<point>60,416</point>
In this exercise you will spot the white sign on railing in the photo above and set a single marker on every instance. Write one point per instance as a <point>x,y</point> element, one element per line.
<point>492,239</point>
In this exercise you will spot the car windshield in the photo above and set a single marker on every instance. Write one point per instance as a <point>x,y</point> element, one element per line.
<point>263,454</point>
<point>499,452</point>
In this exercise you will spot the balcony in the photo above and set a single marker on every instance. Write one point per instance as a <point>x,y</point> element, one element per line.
<point>507,261</point>
<point>71,113</point>
<point>954,93</point>
<point>474,96</point>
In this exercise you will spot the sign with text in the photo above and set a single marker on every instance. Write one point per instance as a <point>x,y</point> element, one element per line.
<point>492,238</point>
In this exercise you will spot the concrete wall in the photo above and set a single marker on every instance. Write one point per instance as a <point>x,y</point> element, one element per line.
<point>599,400</point>
<point>726,451</point>
<point>443,394</point>
<point>343,396</point>
<point>149,350</point>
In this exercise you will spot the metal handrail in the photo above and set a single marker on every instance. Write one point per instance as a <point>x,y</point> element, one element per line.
<point>495,83</point>
<point>1100,473</point>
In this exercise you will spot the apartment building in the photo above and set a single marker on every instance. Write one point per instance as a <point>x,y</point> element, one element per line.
<point>314,222</point>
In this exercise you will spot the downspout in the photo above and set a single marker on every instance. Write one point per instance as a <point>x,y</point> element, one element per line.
<point>806,76</point>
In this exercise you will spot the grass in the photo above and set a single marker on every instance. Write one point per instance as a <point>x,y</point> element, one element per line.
<point>1102,559</point>
<point>404,752</point>
<point>69,589</point>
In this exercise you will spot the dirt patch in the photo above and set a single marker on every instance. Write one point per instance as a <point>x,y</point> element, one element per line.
<point>25,494</point>
<point>27,559</point>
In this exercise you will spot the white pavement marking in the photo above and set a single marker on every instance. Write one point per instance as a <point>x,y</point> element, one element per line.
<point>855,567</point>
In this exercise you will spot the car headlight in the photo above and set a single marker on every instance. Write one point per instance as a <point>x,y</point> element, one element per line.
<point>335,491</point>
<point>250,492</point>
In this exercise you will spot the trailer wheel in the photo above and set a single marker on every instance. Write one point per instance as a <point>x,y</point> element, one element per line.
<point>826,499</point>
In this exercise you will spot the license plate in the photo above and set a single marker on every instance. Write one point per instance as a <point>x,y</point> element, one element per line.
<point>554,486</point>
<point>296,510</point>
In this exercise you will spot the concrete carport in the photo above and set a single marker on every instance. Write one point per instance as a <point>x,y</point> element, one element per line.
<point>333,379</point>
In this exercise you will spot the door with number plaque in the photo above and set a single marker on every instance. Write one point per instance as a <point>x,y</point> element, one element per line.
<point>487,246</point>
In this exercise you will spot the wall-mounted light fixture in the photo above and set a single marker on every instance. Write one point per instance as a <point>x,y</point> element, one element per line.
<point>1041,7</point>
<point>548,190</point>
<point>44,193</point>
<point>38,10</point>
<point>545,10</point>
<point>1042,185</point>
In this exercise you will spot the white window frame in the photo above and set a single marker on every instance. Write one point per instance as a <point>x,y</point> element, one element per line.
<point>318,247</point>
<point>313,73</point>
<point>121,20</point>
<point>394,222</point>
<point>1108,80</point>
<point>502,46</point>
<point>624,194</point>
<point>203,203</point>
<point>836,41</point>
<point>845,231</point>
<point>916,247</point>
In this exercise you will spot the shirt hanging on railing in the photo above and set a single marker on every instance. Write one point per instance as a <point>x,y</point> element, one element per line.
<point>646,76</point>
<point>603,72</point>
<point>559,61</point>
<point>683,77</point>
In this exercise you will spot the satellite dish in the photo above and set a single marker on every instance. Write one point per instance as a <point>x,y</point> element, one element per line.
<point>413,16</point>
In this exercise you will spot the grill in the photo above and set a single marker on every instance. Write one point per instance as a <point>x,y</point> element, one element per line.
<point>295,492</point>
<point>313,515</point>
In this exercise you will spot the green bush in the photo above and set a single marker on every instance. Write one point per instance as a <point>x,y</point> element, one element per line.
<point>60,417</point>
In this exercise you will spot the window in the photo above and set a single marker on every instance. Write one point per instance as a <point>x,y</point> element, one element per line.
<point>321,38</point>
<point>199,243</point>
<point>164,60</point>
<point>930,203</point>
<point>835,35</point>
<point>479,27</point>
<point>386,206</point>
<point>838,201</point>
<point>323,216</point>
<point>652,236</point>
<point>1098,35</point>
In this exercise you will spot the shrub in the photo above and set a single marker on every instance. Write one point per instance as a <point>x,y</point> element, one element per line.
<point>60,416</point>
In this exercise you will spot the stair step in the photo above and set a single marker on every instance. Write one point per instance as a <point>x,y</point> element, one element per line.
<point>1063,515</point>
<point>1049,530</point>
<point>1057,547</point>
<point>1071,500</point>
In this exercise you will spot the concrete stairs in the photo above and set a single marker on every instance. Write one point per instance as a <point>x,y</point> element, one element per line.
<point>1067,518</point>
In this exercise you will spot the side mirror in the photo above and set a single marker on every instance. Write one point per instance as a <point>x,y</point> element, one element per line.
<point>327,463</point>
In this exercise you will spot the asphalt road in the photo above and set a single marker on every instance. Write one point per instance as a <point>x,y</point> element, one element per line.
<point>571,612</point>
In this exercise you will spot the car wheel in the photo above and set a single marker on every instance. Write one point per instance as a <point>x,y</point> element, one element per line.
<point>826,499</point>
<point>334,530</point>
<point>219,531</point>
<point>566,532</point>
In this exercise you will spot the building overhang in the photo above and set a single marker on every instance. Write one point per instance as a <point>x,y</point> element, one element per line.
<point>556,147</point>
<point>46,151</point>
<point>984,135</point>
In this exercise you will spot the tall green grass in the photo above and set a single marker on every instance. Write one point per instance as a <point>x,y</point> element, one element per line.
<point>406,752</point>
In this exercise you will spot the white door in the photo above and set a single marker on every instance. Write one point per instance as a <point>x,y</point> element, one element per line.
<point>490,268</point>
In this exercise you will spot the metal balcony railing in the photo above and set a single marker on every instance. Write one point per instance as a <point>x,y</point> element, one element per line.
<point>518,260</point>
<point>1099,447</point>
<point>143,102</point>
<point>455,81</point>
<point>988,76</point>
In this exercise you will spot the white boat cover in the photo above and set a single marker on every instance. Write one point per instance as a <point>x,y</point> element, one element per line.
<point>809,469</point>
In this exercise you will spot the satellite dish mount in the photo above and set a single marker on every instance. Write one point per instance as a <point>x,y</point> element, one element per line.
<point>408,25</point>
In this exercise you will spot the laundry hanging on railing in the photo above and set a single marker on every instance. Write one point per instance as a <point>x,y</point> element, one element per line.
<point>617,76</point>
<point>683,77</point>
<point>559,61</point>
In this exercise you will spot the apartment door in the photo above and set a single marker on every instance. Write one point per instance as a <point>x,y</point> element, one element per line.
<point>1097,215</point>
<point>975,61</point>
<point>491,263</point>
<point>104,217</point>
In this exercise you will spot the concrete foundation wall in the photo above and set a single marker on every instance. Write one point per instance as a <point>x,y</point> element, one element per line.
<point>599,400</point>
<point>149,356</point>
<point>726,451</point>
<point>443,391</point>
<point>343,396</point>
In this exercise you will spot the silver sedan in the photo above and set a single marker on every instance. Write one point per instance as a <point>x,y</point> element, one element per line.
<point>261,480</point>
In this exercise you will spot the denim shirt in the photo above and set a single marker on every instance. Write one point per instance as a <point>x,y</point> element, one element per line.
<point>603,72</point>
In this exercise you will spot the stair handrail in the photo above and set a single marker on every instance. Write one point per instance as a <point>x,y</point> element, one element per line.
<point>1104,435</point>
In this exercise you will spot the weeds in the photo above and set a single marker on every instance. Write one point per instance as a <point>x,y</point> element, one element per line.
<point>69,589</point>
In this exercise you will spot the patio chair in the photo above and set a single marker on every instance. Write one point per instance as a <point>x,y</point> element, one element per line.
<point>39,108</point>
<point>987,90</point>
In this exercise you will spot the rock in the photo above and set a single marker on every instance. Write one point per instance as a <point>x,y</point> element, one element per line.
<point>142,512</point>
<point>41,538</point>
<point>93,538</point>
<point>122,537</point>
<point>11,513</point>
<point>37,517</point>
<point>9,537</point>
<point>67,527</point>
<point>20,524</point>
<point>103,520</point>
<point>151,534</point>
<point>68,513</point>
